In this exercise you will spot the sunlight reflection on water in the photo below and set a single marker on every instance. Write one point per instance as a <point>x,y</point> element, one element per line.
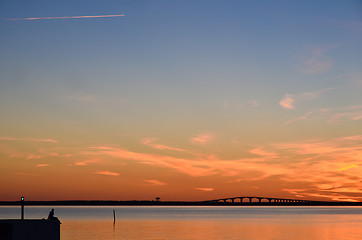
<point>150,223</point>
<point>175,229</point>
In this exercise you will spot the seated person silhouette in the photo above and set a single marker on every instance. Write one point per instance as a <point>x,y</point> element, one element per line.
<point>51,216</point>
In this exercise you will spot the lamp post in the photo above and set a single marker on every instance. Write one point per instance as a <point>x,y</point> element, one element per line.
<point>22,208</point>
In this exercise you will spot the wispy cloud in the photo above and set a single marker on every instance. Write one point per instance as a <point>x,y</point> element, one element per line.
<point>301,118</point>
<point>313,95</point>
<point>27,174</point>
<point>155,182</point>
<point>202,138</point>
<point>150,142</point>
<point>205,189</point>
<point>66,17</point>
<point>85,162</point>
<point>30,151</point>
<point>330,167</point>
<point>354,78</point>
<point>327,167</point>
<point>332,115</point>
<point>198,165</point>
<point>186,166</point>
<point>260,151</point>
<point>313,163</point>
<point>289,100</point>
<point>339,114</point>
<point>315,61</point>
<point>307,193</point>
<point>254,103</point>
<point>108,173</point>
<point>48,140</point>
<point>42,164</point>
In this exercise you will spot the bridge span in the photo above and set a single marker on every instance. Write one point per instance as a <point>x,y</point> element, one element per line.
<point>250,199</point>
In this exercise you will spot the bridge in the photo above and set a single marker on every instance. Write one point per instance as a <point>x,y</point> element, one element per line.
<point>249,199</point>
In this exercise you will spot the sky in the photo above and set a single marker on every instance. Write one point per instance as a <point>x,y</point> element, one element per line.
<point>182,100</point>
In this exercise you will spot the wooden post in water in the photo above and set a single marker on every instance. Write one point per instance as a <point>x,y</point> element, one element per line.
<point>114,217</point>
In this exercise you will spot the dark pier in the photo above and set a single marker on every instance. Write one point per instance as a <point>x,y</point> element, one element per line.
<point>30,229</point>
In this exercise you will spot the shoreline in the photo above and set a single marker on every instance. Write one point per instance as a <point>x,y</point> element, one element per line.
<point>170,203</point>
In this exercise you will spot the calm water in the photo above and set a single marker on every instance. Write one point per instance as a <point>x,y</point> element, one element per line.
<point>259,223</point>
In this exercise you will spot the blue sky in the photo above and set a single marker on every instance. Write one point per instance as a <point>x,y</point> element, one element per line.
<point>231,76</point>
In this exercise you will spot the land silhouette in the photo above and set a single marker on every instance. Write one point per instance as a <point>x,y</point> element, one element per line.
<point>232,201</point>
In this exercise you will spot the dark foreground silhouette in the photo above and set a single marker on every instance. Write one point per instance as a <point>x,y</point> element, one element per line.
<point>39,229</point>
<point>51,216</point>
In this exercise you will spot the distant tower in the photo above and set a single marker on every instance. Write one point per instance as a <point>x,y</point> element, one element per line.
<point>157,199</point>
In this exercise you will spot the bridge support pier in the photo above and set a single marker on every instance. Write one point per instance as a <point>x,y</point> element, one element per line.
<point>260,200</point>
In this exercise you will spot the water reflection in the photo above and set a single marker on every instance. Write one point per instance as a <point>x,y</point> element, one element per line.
<point>195,223</point>
<point>261,229</point>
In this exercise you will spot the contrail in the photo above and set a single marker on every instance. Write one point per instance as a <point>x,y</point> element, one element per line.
<point>41,18</point>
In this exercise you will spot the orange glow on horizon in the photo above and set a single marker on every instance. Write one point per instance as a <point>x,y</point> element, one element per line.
<point>314,169</point>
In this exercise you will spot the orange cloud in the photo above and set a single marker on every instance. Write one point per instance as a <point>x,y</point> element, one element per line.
<point>315,163</point>
<point>328,167</point>
<point>155,182</point>
<point>349,166</point>
<point>68,17</point>
<point>331,166</point>
<point>48,140</point>
<point>86,162</point>
<point>41,140</point>
<point>332,115</point>
<point>150,142</point>
<point>202,139</point>
<point>287,102</point>
<point>13,151</point>
<point>205,189</point>
<point>183,165</point>
<point>333,197</point>
<point>198,165</point>
<point>107,173</point>
<point>260,151</point>
<point>42,165</point>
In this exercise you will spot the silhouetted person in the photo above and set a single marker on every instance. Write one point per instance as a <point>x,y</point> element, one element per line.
<point>51,215</point>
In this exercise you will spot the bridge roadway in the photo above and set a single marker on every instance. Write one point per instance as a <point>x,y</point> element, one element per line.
<point>260,199</point>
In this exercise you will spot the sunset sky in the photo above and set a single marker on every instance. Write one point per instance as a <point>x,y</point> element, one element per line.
<point>182,100</point>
